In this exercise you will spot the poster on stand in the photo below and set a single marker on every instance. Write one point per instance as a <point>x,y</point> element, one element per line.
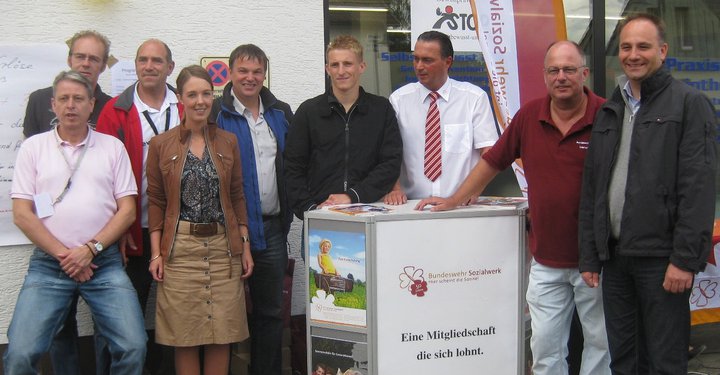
<point>337,281</point>
<point>332,356</point>
<point>448,296</point>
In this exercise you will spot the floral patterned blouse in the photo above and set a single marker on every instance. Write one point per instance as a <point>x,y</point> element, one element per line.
<point>200,191</point>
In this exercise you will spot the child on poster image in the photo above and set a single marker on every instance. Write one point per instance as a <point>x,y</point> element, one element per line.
<point>325,260</point>
<point>319,369</point>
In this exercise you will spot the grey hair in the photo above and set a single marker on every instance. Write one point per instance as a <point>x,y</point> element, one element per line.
<point>73,76</point>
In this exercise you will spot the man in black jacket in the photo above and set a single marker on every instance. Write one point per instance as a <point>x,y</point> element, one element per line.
<point>88,55</point>
<point>343,146</point>
<point>647,205</point>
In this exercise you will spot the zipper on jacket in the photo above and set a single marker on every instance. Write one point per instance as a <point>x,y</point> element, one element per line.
<point>347,143</point>
<point>219,174</point>
<point>707,143</point>
<point>612,165</point>
<point>177,221</point>
<point>221,203</point>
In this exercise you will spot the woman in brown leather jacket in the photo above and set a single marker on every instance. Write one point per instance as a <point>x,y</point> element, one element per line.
<point>198,233</point>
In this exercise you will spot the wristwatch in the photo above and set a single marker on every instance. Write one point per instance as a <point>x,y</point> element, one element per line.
<point>98,245</point>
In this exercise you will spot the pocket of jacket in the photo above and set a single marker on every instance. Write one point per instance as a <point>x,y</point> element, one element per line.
<point>709,143</point>
<point>661,120</point>
<point>226,161</point>
<point>168,165</point>
<point>669,205</point>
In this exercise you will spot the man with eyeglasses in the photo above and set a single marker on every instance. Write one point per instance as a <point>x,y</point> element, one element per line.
<point>89,51</point>
<point>88,55</point>
<point>647,207</point>
<point>551,135</point>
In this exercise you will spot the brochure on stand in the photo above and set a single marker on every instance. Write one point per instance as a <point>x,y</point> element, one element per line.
<point>359,209</point>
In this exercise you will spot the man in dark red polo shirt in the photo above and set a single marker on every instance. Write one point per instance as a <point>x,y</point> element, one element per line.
<point>551,135</point>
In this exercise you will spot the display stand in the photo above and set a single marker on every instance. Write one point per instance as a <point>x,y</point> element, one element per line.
<point>417,292</point>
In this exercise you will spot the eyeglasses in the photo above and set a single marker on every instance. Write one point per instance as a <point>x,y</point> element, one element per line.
<point>553,71</point>
<point>82,57</point>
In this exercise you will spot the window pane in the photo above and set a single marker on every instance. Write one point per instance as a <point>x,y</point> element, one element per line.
<point>692,29</point>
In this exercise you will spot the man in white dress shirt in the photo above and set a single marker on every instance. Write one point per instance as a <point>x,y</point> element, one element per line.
<point>466,124</point>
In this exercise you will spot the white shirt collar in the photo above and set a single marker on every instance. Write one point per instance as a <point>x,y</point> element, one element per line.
<point>170,99</point>
<point>240,108</point>
<point>634,103</point>
<point>444,91</point>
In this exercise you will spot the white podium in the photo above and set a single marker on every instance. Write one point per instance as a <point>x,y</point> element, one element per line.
<point>417,292</point>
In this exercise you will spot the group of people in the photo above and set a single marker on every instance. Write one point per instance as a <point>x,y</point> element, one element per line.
<point>204,196</point>
<point>171,190</point>
<point>621,206</point>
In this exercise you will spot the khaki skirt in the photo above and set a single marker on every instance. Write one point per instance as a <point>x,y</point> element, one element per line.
<point>202,298</point>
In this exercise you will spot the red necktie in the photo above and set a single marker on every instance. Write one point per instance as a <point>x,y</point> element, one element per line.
<point>433,147</point>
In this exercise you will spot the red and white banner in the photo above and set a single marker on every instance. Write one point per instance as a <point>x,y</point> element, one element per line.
<point>513,36</point>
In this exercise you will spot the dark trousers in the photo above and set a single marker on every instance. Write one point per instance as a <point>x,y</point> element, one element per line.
<point>648,328</point>
<point>266,292</point>
<point>137,270</point>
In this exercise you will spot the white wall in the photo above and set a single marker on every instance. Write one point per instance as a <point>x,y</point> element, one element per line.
<point>290,32</point>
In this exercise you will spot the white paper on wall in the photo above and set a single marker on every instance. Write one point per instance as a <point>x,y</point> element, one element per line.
<point>24,68</point>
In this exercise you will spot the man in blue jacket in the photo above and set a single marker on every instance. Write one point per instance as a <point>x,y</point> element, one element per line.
<point>260,122</point>
<point>647,204</point>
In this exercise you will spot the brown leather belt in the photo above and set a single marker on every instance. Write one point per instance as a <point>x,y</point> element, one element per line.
<point>200,229</point>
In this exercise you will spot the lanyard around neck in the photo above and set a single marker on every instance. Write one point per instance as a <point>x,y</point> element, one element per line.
<point>72,168</point>
<point>152,124</point>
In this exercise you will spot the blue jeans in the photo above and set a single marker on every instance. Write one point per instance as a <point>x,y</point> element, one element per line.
<point>44,302</point>
<point>552,295</point>
<point>266,291</point>
<point>648,328</point>
<point>64,349</point>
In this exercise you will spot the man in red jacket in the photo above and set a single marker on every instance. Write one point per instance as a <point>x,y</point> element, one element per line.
<point>145,109</point>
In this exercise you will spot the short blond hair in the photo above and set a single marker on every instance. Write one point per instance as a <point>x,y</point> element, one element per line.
<point>325,241</point>
<point>345,42</point>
